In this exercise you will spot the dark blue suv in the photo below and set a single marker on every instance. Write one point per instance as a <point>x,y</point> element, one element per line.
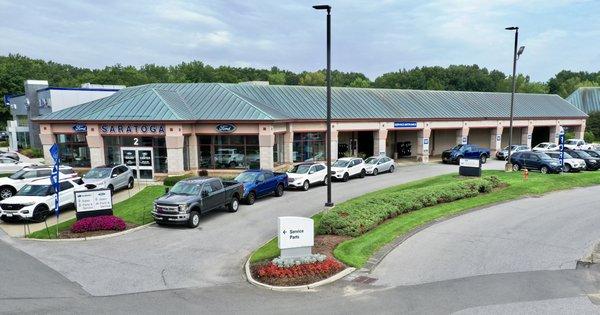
<point>535,161</point>
<point>467,151</point>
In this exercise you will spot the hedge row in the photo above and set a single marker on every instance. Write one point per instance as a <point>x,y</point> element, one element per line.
<point>172,180</point>
<point>358,216</point>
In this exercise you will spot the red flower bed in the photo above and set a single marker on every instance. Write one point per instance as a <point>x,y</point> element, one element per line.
<point>100,223</point>
<point>327,266</point>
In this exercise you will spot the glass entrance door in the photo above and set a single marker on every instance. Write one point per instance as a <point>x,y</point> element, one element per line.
<point>140,160</point>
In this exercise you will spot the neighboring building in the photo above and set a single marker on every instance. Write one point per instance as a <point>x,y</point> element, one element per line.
<point>173,128</point>
<point>586,99</point>
<point>23,132</point>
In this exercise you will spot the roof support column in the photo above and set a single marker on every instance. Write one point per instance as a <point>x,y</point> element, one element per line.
<point>379,141</point>
<point>553,134</point>
<point>47,139</point>
<point>193,151</point>
<point>423,136</point>
<point>462,135</point>
<point>288,145</point>
<point>96,144</point>
<point>266,141</point>
<point>526,133</point>
<point>334,143</point>
<point>174,141</point>
<point>496,140</point>
<point>580,131</point>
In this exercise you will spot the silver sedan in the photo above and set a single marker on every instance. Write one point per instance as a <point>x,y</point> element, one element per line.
<point>378,164</point>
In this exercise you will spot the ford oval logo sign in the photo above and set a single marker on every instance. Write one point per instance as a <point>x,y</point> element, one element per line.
<point>225,128</point>
<point>80,128</point>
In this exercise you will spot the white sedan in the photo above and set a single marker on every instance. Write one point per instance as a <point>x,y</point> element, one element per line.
<point>306,174</point>
<point>378,164</point>
<point>345,168</point>
<point>9,166</point>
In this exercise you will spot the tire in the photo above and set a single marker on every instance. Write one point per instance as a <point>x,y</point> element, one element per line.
<point>325,181</point>
<point>279,190</point>
<point>544,170</point>
<point>251,198</point>
<point>483,159</point>
<point>194,219</point>
<point>232,164</point>
<point>516,167</point>
<point>234,204</point>
<point>375,172</point>
<point>6,192</point>
<point>40,213</point>
<point>112,189</point>
<point>567,168</point>
<point>362,173</point>
<point>305,185</point>
<point>130,183</point>
<point>392,169</point>
<point>346,177</point>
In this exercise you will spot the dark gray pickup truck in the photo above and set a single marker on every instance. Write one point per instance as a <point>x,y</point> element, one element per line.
<point>189,198</point>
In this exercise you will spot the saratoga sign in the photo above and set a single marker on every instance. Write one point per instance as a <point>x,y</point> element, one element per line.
<point>133,129</point>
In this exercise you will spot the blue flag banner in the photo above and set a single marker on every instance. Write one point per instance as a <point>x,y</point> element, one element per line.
<point>561,147</point>
<point>54,178</point>
<point>54,152</point>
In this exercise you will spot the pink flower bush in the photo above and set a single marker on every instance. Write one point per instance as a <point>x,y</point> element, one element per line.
<point>99,223</point>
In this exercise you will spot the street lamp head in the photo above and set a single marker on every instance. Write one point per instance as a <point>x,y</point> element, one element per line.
<point>520,50</point>
<point>512,28</point>
<point>322,7</point>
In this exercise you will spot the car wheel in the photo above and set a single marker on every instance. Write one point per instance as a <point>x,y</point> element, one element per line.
<point>232,164</point>
<point>251,198</point>
<point>130,183</point>
<point>305,185</point>
<point>40,213</point>
<point>375,171</point>
<point>279,190</point>
<point>345,177</point>
<point>6,192</point>
<point>234,204</point>
<point>392,169</point>
<point>544,170</point>
<point>567,168</point>
<point>362,173</point>
<point>194,219</point>
<point>483,159</point>
<point>516,167</point>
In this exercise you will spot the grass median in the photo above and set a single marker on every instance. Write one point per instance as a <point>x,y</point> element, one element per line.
<point>135,210</point>
<point>356,251</point>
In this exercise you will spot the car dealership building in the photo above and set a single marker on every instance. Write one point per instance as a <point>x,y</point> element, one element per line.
<point>173,128</point>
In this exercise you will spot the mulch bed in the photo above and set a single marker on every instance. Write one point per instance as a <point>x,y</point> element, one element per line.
<point>68,234</point>
<point>324,244</point>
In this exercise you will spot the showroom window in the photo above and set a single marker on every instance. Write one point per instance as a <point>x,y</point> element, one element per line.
<point>73,149</point>
<point>309,146</point>
<point>232,151</point>
<point>112,149</point>
<point>22,120</point>
<point>278,149</point>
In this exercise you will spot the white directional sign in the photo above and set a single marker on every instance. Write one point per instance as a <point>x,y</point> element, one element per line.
<point>295,232</point>
<point>93,200</point>
<point>469,163</point>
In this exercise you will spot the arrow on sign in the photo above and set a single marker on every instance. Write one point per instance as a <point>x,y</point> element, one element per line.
<point>283,231</point>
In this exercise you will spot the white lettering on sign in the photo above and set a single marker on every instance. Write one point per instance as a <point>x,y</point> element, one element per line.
<point>93,200</point>
<point>469,163</point>
<point>295,232</point>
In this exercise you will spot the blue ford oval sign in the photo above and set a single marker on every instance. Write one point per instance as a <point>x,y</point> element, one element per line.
<point>225,128</point>
<point>80,128</point>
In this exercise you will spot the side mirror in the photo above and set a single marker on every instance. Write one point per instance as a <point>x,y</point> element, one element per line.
<point>311,172</point>
<point>114,175</point>
<point>166,190</point>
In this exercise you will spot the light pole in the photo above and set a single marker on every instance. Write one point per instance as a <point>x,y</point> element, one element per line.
<point>329,203</point>
<point>516,55</point>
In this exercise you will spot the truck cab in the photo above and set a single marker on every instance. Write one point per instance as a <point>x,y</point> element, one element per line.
<point>465,151</point>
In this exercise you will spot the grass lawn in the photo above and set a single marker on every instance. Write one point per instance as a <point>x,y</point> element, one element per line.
<point>357,251</point>
<point>135,210</point>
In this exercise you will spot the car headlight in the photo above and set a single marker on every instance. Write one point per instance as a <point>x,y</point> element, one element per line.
<point>592,161</point>
<point>183,208</point>
<point>290,180</point>
<point>554,163</point>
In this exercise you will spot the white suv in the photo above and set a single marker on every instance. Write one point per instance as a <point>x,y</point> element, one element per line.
<point>577,144</point>
<point>35,201</point>
<point>377,164</point>
<point>545,146</point>
<point>345,168</point>
<point>305,174</point>
<point>11,184</point>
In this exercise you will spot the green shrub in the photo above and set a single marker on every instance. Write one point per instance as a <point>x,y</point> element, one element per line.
<point>3,144</point>
<point>589,137</point>
<point>172,180</point>
<point>358,216</point>
<point>32,152</point>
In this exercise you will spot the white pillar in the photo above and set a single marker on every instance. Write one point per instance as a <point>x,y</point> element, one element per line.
<point>193,151</point>
<point>379,141</point>
<point>526,135</point>
<point>423,144</point>
<point>496,140</point>
<point>266,141</point>
<point>462,135</point>
<point>174,142</point>
<point>288,145</point>
<point>96,144</point>
<point>580,131</point>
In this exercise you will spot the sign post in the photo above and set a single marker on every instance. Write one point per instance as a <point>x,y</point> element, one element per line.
<point>55,181</point>
<point>296,236</point>
<point>561,146</point>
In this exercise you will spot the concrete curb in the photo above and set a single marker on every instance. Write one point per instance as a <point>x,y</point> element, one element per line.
<point>305,287</point>
<point>91,238</point>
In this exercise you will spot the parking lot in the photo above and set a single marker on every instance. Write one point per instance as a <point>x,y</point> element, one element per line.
<point>158,258</point>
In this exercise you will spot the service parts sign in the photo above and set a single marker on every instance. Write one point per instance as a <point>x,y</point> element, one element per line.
<point>93,200</point>
<point>295,232</point>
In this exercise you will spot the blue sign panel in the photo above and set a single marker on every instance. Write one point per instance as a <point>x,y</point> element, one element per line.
<point>561,146</point>
<point>80,128</point>
<point>226,128</point>
<point>54,152</point>
<point>405,124</point>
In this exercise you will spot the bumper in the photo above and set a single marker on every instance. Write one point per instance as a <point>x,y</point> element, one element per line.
<point>369,171</point>
<point>25,213</point>
<point>449,159</point>
<point>175,218</point>
<point>295,184</point>
<point>337,175</point>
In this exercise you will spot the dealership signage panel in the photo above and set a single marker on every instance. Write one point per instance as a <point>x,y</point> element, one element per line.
<point>405,124</point>
<point>132,129</point>
<point>469,167</point>
<point>296,236</point>
<point>95,202</point>
<point>225,128</point>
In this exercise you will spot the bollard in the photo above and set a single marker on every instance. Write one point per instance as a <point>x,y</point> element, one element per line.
<point>525,174</point>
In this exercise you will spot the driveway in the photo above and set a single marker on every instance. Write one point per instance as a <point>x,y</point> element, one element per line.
<point>158,258</point>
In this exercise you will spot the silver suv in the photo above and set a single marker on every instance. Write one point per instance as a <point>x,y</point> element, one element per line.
<point>113,177</point>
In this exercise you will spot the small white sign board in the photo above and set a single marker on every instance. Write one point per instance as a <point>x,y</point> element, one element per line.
<point>469,163</point>
<point>294,232</point>
<point>93,200</point>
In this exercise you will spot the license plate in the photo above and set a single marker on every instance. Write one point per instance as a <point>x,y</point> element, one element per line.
<point>9,215</point>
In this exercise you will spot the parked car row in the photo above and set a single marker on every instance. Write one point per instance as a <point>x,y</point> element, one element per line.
<point>549,161</point>
<point>188,199</point>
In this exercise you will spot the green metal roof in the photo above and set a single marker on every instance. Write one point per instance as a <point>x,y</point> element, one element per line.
<point>586,99</point>
<point>229,102</point>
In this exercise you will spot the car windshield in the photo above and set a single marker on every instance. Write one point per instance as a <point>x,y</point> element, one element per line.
<point>246,177</point>
<point>593,153</point>
<point>18,175</point>
<point>584,155</point>
<point>300,169</point>
<point>371,160</point>
<point>35,190</point>
<point>457,147</point>
<point>571,142</point>
<point>182,188</point>
<point>341,163</point>
<point>100,172</point>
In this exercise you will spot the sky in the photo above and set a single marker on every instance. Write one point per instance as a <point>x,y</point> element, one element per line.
<point>372,37</point>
